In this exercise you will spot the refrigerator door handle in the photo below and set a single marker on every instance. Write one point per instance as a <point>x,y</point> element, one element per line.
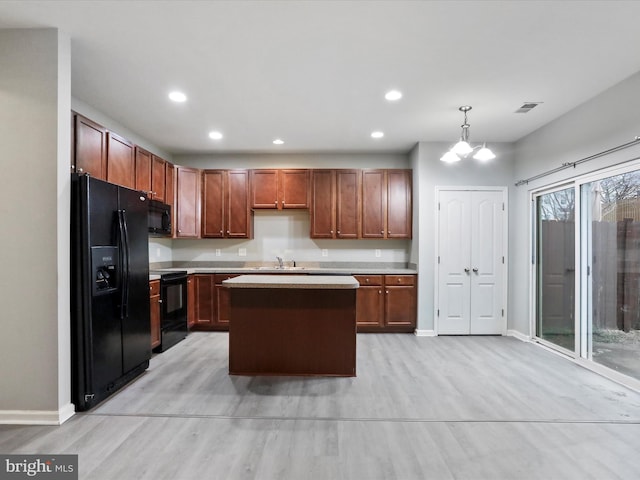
<point>124,263</point>
<point>127,256</point>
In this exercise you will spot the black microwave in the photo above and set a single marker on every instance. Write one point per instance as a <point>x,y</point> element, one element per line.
<point>159,219</point>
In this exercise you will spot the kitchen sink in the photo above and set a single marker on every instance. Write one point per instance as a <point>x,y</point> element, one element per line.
<point>279,268</point>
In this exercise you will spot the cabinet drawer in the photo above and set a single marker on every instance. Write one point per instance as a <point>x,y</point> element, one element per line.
<point>369,279</point>
<point>221,277</point>
<point>154,288</point>
<point>390,280</point>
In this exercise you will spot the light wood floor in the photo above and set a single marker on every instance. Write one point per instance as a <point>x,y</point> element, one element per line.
<point>420,408</point>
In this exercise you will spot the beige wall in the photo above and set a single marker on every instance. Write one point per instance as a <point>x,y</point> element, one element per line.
<point>34,207</point>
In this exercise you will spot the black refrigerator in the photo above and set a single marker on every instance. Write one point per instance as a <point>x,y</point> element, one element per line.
<point>110,327</point>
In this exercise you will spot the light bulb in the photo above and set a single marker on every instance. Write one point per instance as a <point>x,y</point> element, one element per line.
<point>450,157</point>
<point>462,148</point>
<point>484,154</point>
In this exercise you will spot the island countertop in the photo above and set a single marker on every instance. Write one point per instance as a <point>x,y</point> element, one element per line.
<point>325,282</point>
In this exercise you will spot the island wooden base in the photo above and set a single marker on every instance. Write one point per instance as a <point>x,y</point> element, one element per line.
<point>292,332</point>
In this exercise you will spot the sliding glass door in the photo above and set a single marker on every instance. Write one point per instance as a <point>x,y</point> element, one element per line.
<point>555,267</point>
<point>611,230</point>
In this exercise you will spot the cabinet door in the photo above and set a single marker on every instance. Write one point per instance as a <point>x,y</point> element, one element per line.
<point>188,202</point>
<point>191,301</point>
<point>223,300</point>
<point>400,301</point>
<point>213,203</point>
<point>323,204</point>
<point>121,163</point>
<point>90,148</point>
<point>264,188</point>
<point>154,288</point>
<point>143,171</point>
<point>347,203</point>
<point>238,215</point>
<point>399,203</point>
<point>205,300</point>
<point>374,203</point>
<point>370,301</point>
<point>294,188</point>
<point>169,184</point>
<point>158,178</point>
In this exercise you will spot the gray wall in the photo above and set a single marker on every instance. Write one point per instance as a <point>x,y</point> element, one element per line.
<point>430,172</point>
<point>606,121</point>
<point>34,202</point>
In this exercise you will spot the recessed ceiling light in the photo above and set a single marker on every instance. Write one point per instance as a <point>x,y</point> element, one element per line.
<point>178,96</point>
<point>278,141</point>
<point>393,95</point>
<point>377,134</point>
<point>215,135</point>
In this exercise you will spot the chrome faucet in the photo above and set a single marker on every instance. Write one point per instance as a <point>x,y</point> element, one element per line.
<point>280,264</point>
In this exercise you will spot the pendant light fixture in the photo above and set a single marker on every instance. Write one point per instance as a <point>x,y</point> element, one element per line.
<point>462,149</point>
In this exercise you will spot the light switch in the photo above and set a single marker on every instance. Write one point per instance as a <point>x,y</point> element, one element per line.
<point>242,252</point>
<point>325,252</point>
<point>378,253</point>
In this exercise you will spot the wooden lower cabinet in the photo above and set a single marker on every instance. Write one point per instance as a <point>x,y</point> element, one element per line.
<point>154,299</point>
<point>211,301</point>
<point>386,303</point>
<point>223,300</point>
<point>191,301</point>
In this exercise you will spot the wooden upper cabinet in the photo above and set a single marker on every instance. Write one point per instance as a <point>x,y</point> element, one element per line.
<point>264,189</point>
<point>323,204</point>
<point>279,189</point>
<point>347,203</point>
<point>89,148</point>
<point>143,171</point>
<point>121,163</point>
<point>225,204</point>
<point>293,188</point>
<point>187,202</point>
<point>335,202</point>
<point>169,184</point>
<point>386,203</point>
<point>374,201</point>
<point>399,204</point>
<point>238,219</point>
<point>158,178</point>
<point>213,203</point>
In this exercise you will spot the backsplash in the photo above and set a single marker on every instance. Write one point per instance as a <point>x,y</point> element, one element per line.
<point>282,234</point>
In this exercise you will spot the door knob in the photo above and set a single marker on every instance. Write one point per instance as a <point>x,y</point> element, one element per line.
<point>466,270</point>
<point>475,270</point>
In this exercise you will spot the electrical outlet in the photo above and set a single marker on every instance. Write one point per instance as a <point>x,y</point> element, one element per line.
<point>218,253</point>
<point>242,252</point>
<point>325,252</point>
<point>378,253</point>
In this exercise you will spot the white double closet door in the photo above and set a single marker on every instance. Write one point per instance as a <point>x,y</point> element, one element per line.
<point>470,262</point>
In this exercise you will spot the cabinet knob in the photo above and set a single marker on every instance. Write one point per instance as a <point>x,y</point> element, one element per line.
<point>386,291</point>
<point>331,232</point>
<point>379,292</point>
<point>367,280</point>
<point>160,301</point>
<point>388,232</point>
<point>399,280</point>
<point>338,232</point>
<point>80,170</point>
<point>179,231</point>
<point>382,232</point>
<point>227,232</point>
<point>276,203</point>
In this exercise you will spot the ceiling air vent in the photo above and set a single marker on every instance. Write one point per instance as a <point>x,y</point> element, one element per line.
<point>527,107</point>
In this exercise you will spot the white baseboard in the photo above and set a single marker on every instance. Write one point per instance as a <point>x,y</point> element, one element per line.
<point>425,333</point>
<point>519,335</point>
<point>37,417</point>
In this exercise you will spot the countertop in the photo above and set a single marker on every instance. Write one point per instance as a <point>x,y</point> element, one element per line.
<point>338,268</point>
<point>315,282</point>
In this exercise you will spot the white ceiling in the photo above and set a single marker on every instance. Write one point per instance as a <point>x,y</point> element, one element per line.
<point>314,73</point>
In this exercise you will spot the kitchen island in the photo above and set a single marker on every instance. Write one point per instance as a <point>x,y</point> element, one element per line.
<point>292,325</point>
